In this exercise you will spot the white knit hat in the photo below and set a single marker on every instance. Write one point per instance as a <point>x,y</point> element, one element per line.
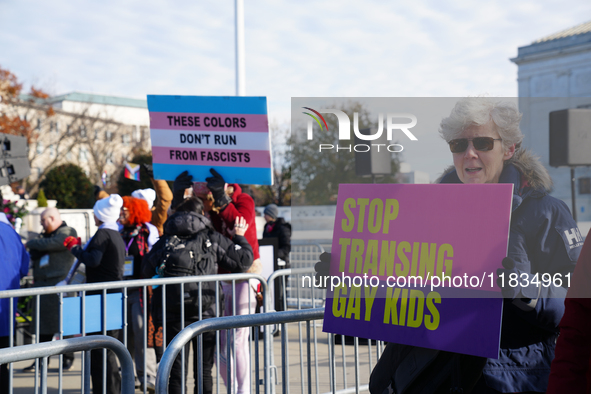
<point>108,209</point>
<point>145,194</point>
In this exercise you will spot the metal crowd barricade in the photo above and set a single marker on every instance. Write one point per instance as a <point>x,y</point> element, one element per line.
<point>230,322</point>
<point>303,256</point>
<point>46,349</point>
<point>123,287</point>
<point>308,296</point>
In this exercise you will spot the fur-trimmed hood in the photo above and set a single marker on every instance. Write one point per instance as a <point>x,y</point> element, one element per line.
<point>533,172</point>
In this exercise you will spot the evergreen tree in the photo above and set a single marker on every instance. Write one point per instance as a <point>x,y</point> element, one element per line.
<point>70,186</point>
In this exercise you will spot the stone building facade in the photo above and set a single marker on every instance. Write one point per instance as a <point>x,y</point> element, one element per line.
<point>98,133</point>
<point>554,73</point>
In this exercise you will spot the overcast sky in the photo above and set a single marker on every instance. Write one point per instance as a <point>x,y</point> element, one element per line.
<point>293,49</point>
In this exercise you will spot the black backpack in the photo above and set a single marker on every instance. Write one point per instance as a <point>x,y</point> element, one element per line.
<point>188,256</point>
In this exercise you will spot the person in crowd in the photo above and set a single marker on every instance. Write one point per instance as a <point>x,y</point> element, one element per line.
<point>149,196</point>
<point>51,263</point>
<point>22,193</point>
<point>99,193</point>
<point>15,265</point>
<point>485,141</point>
<point>226,202</point>
<point>162,202</point>
<point>571,367</point>
<point>134,218</point>
<point>277,227</point>
<point>104,258</point>
<point>202,251</point>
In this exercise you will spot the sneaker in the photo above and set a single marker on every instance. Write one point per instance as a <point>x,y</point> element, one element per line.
<point>30,368</point>
<point>68,364</point>
<point>150,388</point>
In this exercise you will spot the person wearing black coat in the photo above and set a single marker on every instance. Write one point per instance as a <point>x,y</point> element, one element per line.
<point>104,258</point>
<point>187,225</point>
<point>278,228</point>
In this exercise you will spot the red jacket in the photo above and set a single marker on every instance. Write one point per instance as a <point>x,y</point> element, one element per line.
<point>242,205</point>
<point>571,367</point>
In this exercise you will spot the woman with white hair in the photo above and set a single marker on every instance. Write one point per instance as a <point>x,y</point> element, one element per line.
<point>485,141</point>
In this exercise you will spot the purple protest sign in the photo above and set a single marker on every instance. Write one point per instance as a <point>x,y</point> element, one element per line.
<point>426,259</point>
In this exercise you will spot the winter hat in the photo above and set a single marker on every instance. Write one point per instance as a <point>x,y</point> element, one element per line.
<point>108,209</point>
<point>200,189</point>
<point>272,211</point>
<point>145,194</point>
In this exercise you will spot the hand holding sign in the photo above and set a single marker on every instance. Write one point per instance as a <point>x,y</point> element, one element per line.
<point>181,183</point>
<point>217,185</point>
<point>511,281</point>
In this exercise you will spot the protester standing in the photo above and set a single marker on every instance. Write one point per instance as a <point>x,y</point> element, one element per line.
<point>51,263</point>
<point>190,246</point>
<point>277,227</point>
<point>134,217</point>
<point>571,368</point>
<point>15,265</point>
<point>104,257</point>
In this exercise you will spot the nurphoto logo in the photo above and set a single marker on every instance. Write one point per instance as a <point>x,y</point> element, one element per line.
<point>344,130</point>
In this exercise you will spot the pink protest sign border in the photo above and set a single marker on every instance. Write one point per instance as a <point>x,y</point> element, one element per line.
<point>461,229</point>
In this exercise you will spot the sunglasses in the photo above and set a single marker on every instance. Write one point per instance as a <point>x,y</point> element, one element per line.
<point>480,143</point>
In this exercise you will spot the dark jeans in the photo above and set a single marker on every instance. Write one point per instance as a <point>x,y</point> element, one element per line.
<point>96,368</point>
<point>176,378</point>
<point>279,292</point>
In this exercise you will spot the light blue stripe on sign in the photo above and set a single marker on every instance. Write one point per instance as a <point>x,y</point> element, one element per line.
<point>249,176</point>
<point>208,104</point>
<point>72,322</point>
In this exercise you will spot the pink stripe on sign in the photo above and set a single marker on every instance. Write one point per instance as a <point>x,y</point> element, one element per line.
<point>208,122</point>
<point>211,157</point>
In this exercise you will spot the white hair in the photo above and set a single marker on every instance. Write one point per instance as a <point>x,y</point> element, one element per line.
<point>479,111</point>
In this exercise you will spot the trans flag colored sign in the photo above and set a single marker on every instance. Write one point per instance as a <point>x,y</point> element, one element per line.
<point>417,265</point>
<point>196,133</point>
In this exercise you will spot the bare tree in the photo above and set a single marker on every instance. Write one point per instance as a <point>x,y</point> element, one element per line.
<point>280,192</point>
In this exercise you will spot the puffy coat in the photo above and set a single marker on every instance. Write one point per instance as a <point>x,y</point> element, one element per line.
<point>234,257</point>
<point>60,262</point>
<point>543,238</point>
<point>571,368</point>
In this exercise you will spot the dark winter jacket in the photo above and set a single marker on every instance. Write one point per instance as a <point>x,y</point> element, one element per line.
<point>281,230</point>
<point>135,240</point>
<point>571,368</point>
<point>235,257</point>
<point>59,263</point>
<point>104,256</point>
<point>543,238</point>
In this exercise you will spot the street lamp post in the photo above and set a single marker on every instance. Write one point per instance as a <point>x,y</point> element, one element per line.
<point>240,74</point>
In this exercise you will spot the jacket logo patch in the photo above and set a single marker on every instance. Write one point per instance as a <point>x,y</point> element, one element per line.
<point>574,238</point>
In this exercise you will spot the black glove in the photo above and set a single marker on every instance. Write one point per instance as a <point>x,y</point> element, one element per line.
<point>322,269</point>
<point>217,185</point>
<point>181,183</point>
<point>97,190</point>
<point>148,169</point>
